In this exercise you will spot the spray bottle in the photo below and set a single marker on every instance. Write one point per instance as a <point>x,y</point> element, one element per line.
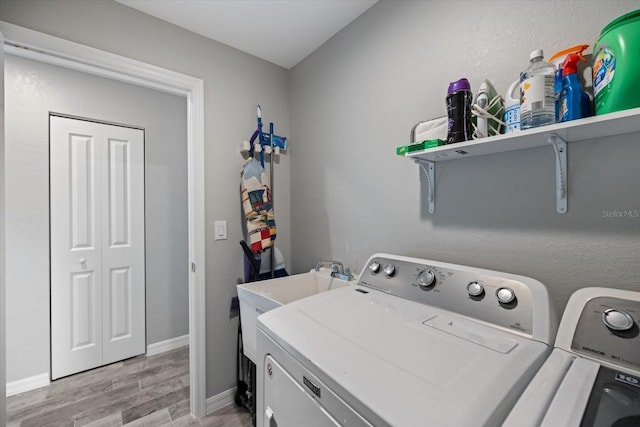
<point>572,104</point>
<point>557,59</point>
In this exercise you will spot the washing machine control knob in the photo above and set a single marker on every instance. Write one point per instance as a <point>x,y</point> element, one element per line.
<point>426,279</point>
<point>389,270</point>
<point>475,289</point>
<point>505,295</point>
<point>374,267</point>
<point>617,320</point>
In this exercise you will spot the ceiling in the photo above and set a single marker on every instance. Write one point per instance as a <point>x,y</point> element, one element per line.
<point>280,31</point>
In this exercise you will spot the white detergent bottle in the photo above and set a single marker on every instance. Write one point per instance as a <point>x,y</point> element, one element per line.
<point>512,107</point>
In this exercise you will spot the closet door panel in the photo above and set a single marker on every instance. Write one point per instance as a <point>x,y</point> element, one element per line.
<point>76,307</point>
<point>123,245</point>
<point>97,244</point>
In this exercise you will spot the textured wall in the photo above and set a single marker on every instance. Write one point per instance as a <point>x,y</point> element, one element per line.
<point>357,97</point>
<point>33,90</point>
<point>234,83</point>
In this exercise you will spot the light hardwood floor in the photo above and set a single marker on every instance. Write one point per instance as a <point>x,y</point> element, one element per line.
<point>142,391</point>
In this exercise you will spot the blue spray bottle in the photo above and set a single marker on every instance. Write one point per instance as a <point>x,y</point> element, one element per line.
<point>572,99</point>
<point>557,59</point>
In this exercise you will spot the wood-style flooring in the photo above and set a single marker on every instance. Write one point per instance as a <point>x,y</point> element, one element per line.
<point>143,391</point>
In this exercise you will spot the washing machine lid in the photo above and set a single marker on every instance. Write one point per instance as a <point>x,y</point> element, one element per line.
<point>406,363</point>
<point>591,395</point>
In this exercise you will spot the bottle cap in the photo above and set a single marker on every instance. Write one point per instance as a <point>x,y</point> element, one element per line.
<point>536,54</point>
<point>462,84</point>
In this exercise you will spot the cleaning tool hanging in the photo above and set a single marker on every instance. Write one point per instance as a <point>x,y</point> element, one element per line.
<point>261,258</point>
<point>263,143</point>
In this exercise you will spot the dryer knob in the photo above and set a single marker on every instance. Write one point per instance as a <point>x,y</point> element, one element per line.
<point>617,320</point>
<point>505,295</point>
<point>389,270</point>
<point>374,267</point>
<point>475,289</point>
<point>426,279</point>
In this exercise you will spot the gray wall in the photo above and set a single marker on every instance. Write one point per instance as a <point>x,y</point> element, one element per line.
<point>33,90</point>
<point>357,97</point>
<point>234,82</point>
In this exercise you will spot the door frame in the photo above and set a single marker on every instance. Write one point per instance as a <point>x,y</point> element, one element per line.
<point>30,44</point>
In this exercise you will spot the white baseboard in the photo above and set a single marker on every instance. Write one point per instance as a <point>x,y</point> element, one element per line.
<point>27,384</point>
<point>220,400</point>
<point>170,344</point>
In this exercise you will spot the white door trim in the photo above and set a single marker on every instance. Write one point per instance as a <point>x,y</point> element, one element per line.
<point>3,378</point>
<point>42,47</point>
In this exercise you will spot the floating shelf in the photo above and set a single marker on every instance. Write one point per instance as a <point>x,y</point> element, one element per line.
<point>556,135</point>
<point>612,124</point>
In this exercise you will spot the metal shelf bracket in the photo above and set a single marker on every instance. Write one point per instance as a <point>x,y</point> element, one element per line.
<point>562,191</point>
<point>560,148</point>
<point>429,169</point>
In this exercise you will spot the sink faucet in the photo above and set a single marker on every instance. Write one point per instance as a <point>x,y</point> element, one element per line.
<point>336,266</point>
<point>337,269</point>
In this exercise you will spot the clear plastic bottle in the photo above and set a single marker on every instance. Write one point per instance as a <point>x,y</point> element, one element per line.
<point>537,93</point>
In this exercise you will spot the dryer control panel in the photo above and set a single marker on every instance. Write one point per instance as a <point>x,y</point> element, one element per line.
<point>517,303</point>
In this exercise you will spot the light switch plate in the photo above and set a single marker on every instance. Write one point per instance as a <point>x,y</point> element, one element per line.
<point>220,230</point>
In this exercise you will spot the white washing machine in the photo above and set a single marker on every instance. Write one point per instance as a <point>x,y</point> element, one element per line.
<point>414,343</point>
<point>592,377</point>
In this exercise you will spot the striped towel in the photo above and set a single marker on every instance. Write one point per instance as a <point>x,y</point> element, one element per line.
<point>256,203</point>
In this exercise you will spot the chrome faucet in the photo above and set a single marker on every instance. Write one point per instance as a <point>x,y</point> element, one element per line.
<point>337,269</point>
<point>336,266</point>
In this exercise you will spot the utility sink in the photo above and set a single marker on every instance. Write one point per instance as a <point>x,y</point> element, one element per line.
<point>259,297</point>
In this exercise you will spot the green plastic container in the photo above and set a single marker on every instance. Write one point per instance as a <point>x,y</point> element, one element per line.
<point>422,145</point>
<point>616,65</point>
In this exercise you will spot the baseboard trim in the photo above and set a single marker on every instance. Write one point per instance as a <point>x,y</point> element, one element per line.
<point>170,344</point>
<point>220,400</point>
<point>28,384</point>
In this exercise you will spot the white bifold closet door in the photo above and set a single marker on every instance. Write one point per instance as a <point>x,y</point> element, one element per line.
<point>97,244</point>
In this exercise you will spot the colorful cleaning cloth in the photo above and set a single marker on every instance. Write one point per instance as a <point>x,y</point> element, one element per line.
<point>256,203</point>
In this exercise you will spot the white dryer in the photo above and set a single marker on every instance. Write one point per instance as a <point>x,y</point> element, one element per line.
<point>592,377</point>
<point>414,343</point>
